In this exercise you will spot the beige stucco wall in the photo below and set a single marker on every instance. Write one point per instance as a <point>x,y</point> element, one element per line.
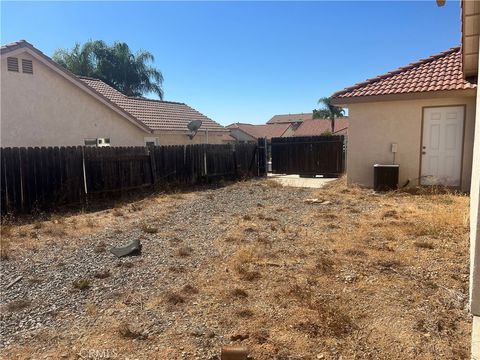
<point>374,126</point>
<point>45,109</point>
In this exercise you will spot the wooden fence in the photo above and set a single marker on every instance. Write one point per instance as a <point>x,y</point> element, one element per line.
<point>43,178</point>
<point>309,155</point>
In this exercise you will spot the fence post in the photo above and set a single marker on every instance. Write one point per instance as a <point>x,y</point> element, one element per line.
<point>153,167</point>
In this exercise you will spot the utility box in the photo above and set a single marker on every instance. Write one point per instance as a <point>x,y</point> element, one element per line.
<point>385,177</point>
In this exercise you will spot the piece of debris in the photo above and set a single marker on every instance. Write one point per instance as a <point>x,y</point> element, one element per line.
<point>239,337</point>
<point>234,353</point>
<point>317,201</point>
<point>133,248</point>
<point>14,281</point>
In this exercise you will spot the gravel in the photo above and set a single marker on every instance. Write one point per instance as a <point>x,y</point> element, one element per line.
<point>49,274</point>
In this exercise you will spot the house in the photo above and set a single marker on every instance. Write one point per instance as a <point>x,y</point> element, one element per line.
<point>424,112</point>
<point>251,133</point>
<point>43,104</point>
<point>290,118</point>
<point>316,127</point>
<point>431,110</point>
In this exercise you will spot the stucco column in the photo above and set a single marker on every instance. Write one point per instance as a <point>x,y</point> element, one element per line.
<point>475,235</point>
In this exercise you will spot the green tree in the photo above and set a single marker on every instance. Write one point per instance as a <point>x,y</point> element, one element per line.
<point>114,64</point>
<point>328,111</point>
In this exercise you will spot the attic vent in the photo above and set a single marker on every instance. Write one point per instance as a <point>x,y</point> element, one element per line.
<point>27,66</point>
<point>12,64</point>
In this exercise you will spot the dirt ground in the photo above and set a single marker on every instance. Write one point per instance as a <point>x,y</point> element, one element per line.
<point>332,273</point>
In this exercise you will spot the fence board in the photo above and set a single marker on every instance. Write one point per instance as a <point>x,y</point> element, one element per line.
<point>308,155</point>
<point>42,178</point>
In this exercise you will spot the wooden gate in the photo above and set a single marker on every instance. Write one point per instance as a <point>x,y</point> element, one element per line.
<point>309,155</point>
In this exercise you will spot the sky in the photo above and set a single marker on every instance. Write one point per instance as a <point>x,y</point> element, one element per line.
<point>247,61</point>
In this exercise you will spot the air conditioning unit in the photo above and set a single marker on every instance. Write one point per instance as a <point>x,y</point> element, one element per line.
<point>103,142</point>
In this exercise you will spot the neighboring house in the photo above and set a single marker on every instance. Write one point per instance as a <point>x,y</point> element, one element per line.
<point>316,127</point>
<point>290,118</point>
<point>43,104</point>
<point>251,133</point>
<point>427,109</point>
<point>431,110</point>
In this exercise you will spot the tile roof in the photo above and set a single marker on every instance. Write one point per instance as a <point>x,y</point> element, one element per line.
<point>156,114</point>
<point>261,131</point>
<point>316,127</point>
<point>439,72</point>
<point>289,118</point>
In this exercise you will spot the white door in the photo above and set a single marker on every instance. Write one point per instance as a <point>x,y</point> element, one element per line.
<point>442,146</point>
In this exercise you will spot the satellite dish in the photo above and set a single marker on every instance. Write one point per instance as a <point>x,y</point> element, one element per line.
<point>193,126</point>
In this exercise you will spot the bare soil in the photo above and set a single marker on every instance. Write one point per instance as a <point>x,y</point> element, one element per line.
<point>332,273</point>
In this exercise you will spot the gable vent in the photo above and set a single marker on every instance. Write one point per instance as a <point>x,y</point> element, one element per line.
<point>27,66</point>
<point>12,64</point>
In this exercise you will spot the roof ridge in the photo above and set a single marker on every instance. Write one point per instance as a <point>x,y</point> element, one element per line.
<point>156,100</point>
<point>398,70</point>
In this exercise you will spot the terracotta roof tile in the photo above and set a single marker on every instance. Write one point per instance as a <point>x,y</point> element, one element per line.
<point>261,131</point>
<point>289,118</point>
<point>437,73</point>
<point>156,114</point>
<point>317,127</point>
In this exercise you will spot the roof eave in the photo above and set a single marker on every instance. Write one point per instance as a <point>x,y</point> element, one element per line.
<point>345,101</point>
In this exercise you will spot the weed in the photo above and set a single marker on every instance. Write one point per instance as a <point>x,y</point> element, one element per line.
<point>247,217</point>
<point>190,289</point>
<point>129,332</point>
<point>324,263</point>
<point>117,212</point>
<point>99,248</point>
<point>38,225</point>
<point>184,251</point>
<point>244,313</point>
<point>18,305</point>
<point>56,229</point>
<point>82,284</point>
<point>5,247</point>
<point>239,293</point>
<point>147,228</point>
<point>174,298</point>
<point>424,245</point>
<point>91,223</point>
<point>355,252</point>
<point>103,274</point>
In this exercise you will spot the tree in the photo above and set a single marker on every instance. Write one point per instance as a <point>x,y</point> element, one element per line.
<point>328,111</point>
<point>116,65</point>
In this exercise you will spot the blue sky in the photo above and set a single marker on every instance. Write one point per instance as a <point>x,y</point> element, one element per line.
<point>246,61</point>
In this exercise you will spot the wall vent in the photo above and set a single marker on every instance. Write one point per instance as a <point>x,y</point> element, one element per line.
<point>12,64</point>
<point>27,66</point>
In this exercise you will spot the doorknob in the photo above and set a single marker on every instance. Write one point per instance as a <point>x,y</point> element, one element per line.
<point>424,152</point>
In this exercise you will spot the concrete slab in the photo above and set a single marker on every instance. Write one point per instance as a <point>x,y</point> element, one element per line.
<point>297,181</point>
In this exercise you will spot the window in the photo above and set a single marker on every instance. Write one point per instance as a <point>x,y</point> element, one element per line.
<point>151,141</point>
<point>12,64</point>
<point>90,142</point>
<point>27,66</point>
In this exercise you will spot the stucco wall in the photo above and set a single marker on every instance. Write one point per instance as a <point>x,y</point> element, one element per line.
<point>171,138</point>
<point>241,136</point>
<point>44,109</point>
<point>374,126</point>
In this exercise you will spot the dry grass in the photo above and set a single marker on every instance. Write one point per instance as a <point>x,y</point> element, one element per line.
<point>366,276</point>
<point>184,251</point>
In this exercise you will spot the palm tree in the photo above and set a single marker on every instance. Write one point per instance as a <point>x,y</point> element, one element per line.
<point>116,65</point>
<point>328,111</point>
